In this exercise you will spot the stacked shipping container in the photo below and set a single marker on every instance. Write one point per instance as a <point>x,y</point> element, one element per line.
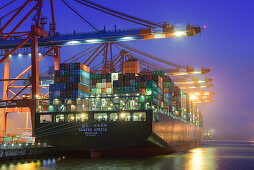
<point>101,84</point>
<point>74,80</point>
<point>71,81</point>
<point>156,86</point>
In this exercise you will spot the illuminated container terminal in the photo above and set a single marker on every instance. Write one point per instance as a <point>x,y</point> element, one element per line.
<point>120,108</point>
<point>142,110</point>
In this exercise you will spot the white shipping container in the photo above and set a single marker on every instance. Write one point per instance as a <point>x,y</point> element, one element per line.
<point>109,90</point>
<point>103,85</point>
<point>132,103</point>
<point>98,85</point>
<point>98,91</point>
<point>114,76</point>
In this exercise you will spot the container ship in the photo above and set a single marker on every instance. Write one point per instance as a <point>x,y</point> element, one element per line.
<point>128,110</point>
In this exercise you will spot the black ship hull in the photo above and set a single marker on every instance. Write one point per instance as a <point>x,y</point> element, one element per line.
<point>166,134</point>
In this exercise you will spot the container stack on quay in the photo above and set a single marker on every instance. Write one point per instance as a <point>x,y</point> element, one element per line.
<point>13,138</point>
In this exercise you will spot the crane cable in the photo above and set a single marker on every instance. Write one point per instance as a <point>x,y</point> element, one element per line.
<point>122,14</point>
<point>83,55</point>
<point>79,15</point>
<point>113,14</point>
<point>151,65</point>
<point>148,55</point>
<point>79,53</point>
<point>7,4</point>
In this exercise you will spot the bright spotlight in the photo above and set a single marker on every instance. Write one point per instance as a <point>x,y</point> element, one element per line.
<point>127,38</point>
<point>73,43</point>
<point>192,97</point>
<point>93,40</point>
<point>180,33</point>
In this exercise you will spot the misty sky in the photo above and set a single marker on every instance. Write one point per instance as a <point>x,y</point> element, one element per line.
<point>226,45</point>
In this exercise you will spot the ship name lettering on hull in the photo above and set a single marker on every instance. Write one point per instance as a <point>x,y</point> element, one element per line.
<point>93,130</point>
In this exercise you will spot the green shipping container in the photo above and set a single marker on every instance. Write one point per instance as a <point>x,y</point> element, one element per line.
<point>66,72</point>
<point>148,91</point>
<point>51,108</point>
<point>137,90</point>
<point>93,76</point>
<point>166,84</point>
<point>121,89</point>
<point>141,106</point>
<point>156,72</point>
<point>98,76</point>
<point>138,84</point>
<point>8,139</point>
<point>162,73</point>
<point>142,99</point>
<point>93,91</point>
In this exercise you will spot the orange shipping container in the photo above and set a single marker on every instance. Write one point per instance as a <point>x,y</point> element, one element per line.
<point>109,85</point>
<point>131,67</point>
<point>85,68</point>
<point>103,90</point>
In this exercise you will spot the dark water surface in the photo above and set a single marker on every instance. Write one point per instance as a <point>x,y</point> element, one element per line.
<point>210,155</point>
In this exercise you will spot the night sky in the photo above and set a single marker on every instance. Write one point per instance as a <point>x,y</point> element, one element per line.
<point>226,45</point>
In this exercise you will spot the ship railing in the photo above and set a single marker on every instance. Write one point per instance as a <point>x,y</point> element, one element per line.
<point>96,103</point>
<point>113,102</point>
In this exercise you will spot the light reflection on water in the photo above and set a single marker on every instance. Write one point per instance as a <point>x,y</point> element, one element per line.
<point>212,155</point>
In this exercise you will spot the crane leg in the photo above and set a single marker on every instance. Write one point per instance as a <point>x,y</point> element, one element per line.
<point>6,76</point>
<point>57,58</point>
<point>2,122</point>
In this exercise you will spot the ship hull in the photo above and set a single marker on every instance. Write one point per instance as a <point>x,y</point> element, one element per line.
<point>167,134</point>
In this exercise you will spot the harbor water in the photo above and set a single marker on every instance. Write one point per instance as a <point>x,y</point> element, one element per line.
<point>210,155</point>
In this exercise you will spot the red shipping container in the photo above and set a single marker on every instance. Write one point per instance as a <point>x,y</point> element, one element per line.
<point>67,66</point>
<point>149,77</point>
<point>143,84</point>
<point>142,90</point>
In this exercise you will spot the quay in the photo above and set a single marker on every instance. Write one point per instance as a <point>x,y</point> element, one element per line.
<point>25,150</point>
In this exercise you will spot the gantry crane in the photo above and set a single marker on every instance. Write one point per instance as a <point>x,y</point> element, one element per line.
<point>14,35</point>
<point>37,37</point>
